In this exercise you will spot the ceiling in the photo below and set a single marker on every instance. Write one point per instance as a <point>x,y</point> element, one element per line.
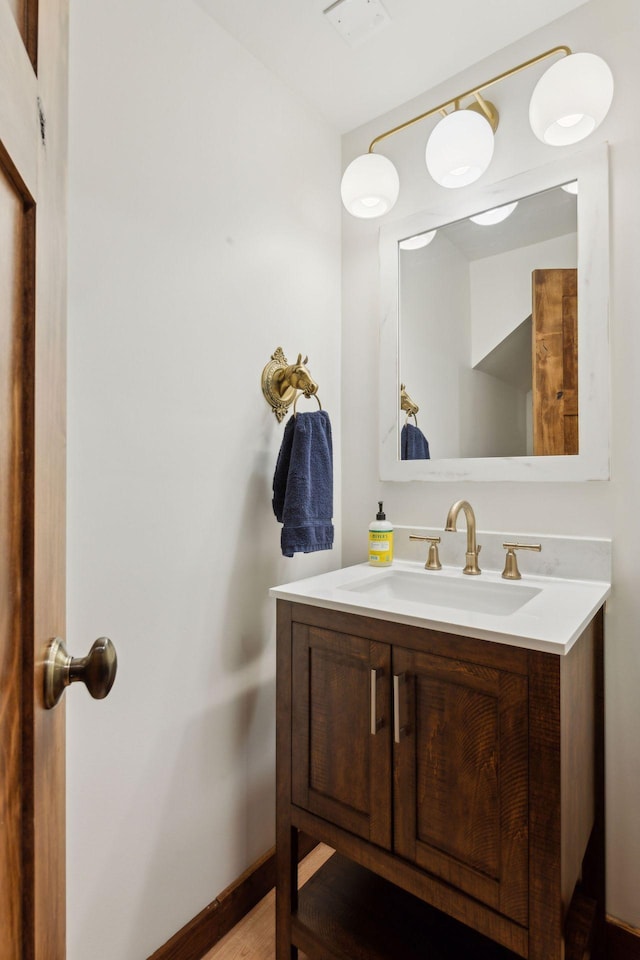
<point>422,44</point>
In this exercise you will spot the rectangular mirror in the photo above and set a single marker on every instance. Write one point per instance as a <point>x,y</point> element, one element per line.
<point>495,327</point>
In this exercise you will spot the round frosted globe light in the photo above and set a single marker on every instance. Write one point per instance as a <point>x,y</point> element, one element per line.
<point>497,215</point>
<point>571,99</point>
<point>370,186</point>
<point>459,149</point>
<point>417,242</point>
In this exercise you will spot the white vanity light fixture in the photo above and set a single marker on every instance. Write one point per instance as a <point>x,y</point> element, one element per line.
<point>569,102</point>
<point>571,99</point>
<point>497,215</point>
<point>370,186</point>
<point>420,240</point>
<point>460,148</point>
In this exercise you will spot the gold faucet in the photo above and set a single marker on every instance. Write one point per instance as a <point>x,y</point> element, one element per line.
<point>471,556</point>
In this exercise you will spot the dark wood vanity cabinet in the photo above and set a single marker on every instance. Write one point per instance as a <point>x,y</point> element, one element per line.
<point>447,772</point>
<point>339,771</point>
<point>461,776</point>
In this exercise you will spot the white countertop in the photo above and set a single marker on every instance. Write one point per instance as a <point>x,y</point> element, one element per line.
<point>550,621</point>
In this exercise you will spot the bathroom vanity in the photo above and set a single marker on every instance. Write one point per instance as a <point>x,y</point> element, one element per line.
<point>453,759</point>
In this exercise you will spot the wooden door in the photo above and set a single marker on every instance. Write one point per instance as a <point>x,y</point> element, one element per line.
<point>341,745</point>
<point>33,136</point>
<point>555,362</point>
<point>461,776</point>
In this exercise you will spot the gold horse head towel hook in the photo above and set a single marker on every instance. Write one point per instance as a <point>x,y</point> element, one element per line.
<point>407,404</point>
<point>282,381</point>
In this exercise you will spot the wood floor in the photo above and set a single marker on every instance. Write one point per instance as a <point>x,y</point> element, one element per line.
<point>254,937</point>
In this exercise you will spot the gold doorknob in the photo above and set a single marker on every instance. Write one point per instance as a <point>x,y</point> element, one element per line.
<point>97,670</point>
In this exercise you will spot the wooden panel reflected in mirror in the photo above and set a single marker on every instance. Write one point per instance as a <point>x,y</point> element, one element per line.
<point>555,362</point>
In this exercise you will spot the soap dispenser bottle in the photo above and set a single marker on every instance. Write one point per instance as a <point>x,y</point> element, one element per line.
<point>380,540</point>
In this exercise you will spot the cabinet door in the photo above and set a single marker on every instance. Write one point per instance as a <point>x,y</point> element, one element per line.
<point>341,745</point>
<point>461,776</point>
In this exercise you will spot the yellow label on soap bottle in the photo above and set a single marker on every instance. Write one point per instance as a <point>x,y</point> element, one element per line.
<point>380,547</point>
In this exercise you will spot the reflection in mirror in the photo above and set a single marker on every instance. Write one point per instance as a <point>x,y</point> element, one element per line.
<point>443,343</point>
<point>413,443</point>
<point>488,335</point>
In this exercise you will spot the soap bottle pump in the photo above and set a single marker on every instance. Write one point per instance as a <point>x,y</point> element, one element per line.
<point>380,540</point>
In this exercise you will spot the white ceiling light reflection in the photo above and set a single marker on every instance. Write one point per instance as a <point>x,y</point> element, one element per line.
<point>417,242</point>
<point>497,215</point>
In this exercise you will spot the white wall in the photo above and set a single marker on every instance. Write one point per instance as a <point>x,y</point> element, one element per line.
<point>501,288</point>
<point>448,305</point>
<point>435,346</point>
<point>603,509</point>
<point>204,233</point>
<point>492,416</point>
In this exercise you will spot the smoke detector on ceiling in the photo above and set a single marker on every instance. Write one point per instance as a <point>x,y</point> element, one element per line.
<point>357,20</point>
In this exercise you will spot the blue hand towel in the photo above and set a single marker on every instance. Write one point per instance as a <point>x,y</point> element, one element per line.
<point>282,469</point>
<point>413,444</point>
<point>303,484</point>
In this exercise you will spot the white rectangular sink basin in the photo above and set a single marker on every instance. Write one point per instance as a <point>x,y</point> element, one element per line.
<point>441,590</point>
<point>540,613</point>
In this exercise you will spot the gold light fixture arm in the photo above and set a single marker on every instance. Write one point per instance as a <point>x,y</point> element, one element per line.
<point>474,92</point>
<point>487,109</point>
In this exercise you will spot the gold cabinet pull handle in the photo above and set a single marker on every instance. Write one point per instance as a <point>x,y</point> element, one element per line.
<point>97,670</point>
<point>377,723</point>
<point>398,728</point>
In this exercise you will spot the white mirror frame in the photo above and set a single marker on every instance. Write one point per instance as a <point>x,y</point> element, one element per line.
<point>592,462</point>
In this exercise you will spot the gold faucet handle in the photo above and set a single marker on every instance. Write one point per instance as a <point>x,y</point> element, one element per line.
<point>511,571</point>
<point>433,560</point>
